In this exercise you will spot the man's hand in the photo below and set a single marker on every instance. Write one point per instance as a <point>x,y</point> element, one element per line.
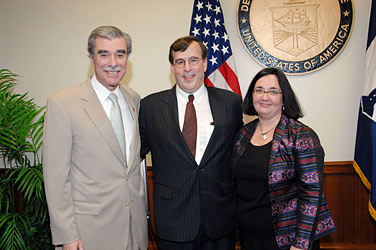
<point>294,248</point>
<point>74,245</point>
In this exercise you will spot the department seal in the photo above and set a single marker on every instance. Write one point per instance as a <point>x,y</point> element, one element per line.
<point>296,36</point>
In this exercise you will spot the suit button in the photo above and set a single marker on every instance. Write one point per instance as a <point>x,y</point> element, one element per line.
<point>126,179</point>
<point>127,203</point>
<point>197,193</point>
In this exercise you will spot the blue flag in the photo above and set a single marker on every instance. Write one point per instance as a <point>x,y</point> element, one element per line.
<point>208,26</point>
<point>365,145</point>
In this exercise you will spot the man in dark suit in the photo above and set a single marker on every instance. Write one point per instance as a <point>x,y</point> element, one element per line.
<point>194,201</point>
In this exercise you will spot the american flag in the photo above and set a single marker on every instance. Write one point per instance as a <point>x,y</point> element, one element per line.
<point>208,25</point>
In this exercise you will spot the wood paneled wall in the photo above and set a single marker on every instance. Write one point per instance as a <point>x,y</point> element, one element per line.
<point>348,202</point>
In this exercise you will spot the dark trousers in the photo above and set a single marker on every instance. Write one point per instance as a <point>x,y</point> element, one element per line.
<point>201,242</point>
<point>316,245</point>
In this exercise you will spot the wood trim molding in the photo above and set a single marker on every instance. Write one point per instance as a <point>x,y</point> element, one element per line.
<point>338,163</point>
<point>338,167</point>
<point>348,246</point>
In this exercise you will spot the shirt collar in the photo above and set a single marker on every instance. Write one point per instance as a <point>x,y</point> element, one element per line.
<point>198,94</point>
<point>101,90</point>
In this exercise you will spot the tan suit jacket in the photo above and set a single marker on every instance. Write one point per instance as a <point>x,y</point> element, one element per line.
<point>91,192</point>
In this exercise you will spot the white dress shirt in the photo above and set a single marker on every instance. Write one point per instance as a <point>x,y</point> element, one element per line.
<point>205,124</point>
<point>103,93</point>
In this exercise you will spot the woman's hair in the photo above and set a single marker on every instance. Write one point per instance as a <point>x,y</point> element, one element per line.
<point>291,106</point>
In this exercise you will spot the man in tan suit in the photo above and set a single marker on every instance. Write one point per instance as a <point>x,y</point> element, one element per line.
<point>94,187</point>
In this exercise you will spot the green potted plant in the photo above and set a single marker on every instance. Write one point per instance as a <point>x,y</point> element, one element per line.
<point>23,209</point>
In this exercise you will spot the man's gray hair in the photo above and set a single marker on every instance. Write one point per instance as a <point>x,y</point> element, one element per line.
<point>107,32</point>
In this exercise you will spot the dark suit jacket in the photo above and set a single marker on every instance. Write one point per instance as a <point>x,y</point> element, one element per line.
<point>187,194</point>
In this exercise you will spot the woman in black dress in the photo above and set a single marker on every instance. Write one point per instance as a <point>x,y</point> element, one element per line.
<point>278,170</point>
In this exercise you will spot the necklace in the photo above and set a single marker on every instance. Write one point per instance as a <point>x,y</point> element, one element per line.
<point>264,133</point>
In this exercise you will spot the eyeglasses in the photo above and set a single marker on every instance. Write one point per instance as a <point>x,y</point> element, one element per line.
<point>193,61</point>
<point>271,92</point>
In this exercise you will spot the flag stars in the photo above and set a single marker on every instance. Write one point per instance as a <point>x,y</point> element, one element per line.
<point>207,24</point>
<point>225,37</point>
<point>216,35</point>
<point>215,47</point>
<point>213,60</point>
<point>196,31</point>
<point>199,5</point>
<point>217,10</point>
<point>207,19</point>
<point>244,20</point>
<point>197,18</point>
<point>206,32</point>
<point>224,50</point>
<point>216,22</point>
<point>209,6</point>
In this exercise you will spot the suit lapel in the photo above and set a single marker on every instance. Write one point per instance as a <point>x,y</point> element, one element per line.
<point>97,114</point>
<point>219,114</point>
<point>171,119</point>
<point>133,110</point>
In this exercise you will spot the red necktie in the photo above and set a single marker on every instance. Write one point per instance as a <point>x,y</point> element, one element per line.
<point>190,126</point>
